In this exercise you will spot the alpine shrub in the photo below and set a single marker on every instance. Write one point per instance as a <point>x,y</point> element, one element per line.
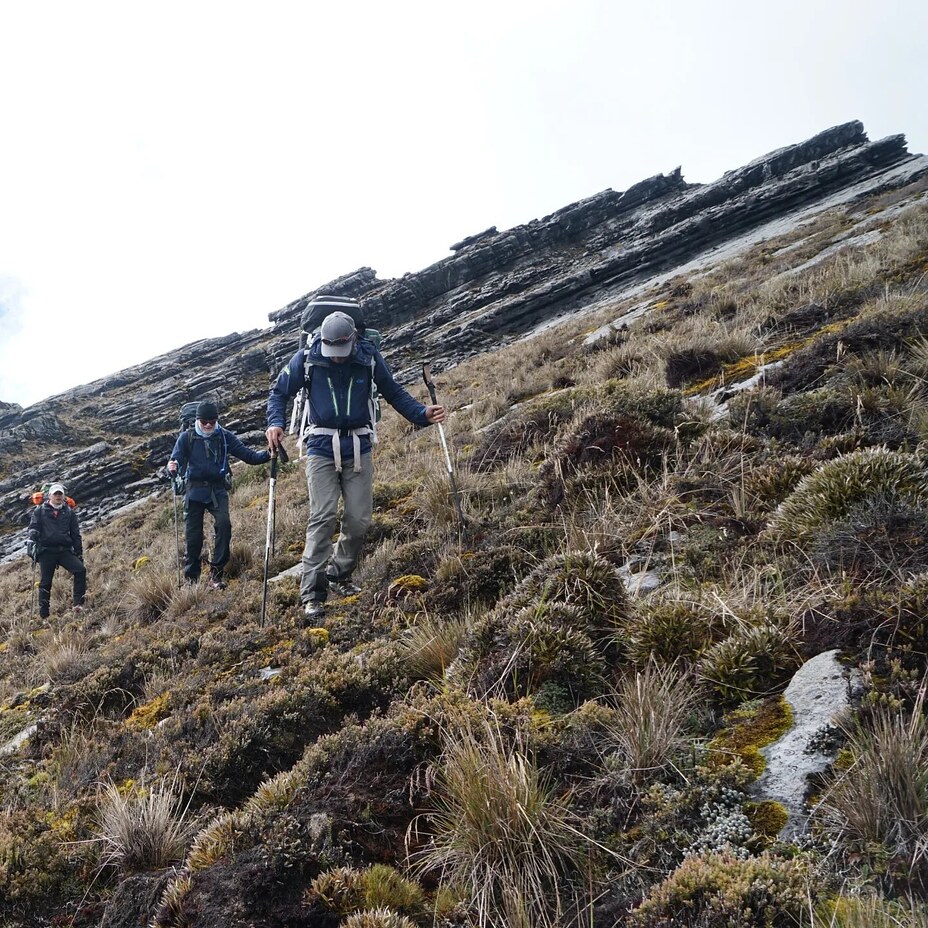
<point>831,493</point>
<point>724,891</point>
<point>752,661</point>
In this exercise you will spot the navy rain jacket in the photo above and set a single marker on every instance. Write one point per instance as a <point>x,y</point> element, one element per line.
<point>56,528</point>
<point>339,395</point>
<point>204,462</point>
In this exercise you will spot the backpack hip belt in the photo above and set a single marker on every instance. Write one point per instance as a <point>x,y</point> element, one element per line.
<point>337,445</point>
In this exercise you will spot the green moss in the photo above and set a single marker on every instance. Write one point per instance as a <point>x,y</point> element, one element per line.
<point>747,730</point>
<point>767,818</point>
<point>408,583</point>
<point>149,714</point>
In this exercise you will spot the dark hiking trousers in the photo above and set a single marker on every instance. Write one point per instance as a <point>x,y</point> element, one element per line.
<point>49,561</point>
<point>218,508</point>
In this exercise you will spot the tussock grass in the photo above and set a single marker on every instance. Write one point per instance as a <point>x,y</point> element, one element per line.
<point>431,644</point>
<point>67,657</point>
<point>880,802</point>
<point>499,831</point>
<point>143,828</point>
<point>149,595</point>
<point>649,727</point>
<point>868,911</point>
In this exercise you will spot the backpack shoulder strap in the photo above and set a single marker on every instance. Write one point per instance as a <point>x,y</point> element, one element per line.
<point>308,366</point>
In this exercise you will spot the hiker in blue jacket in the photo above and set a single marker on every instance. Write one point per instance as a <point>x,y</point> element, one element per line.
<point>341,365</point>
<point>54,540</point>
<point>201,457</point>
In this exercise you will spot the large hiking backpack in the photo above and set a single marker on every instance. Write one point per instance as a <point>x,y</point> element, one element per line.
<point>40,496</point>
<point>321,306</point>
<point>310,323</point>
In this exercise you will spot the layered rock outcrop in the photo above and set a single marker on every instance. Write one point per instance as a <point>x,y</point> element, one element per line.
<point>107,439</point>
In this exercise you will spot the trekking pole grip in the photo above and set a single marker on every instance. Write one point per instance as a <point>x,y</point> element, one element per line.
<point>429,383</point>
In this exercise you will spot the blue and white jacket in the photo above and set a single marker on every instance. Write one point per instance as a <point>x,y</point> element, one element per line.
<point>204,462</point>
<point>339,395</point>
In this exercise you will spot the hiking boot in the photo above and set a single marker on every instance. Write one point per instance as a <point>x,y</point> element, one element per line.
<point>343,587</point>
<point>314,609</point>
<point>217,583</point>
<point>77,607</point>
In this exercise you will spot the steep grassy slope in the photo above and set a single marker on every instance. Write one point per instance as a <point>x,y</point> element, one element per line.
<point>497,731</point>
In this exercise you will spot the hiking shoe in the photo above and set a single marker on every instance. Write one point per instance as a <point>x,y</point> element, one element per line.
<point>77,608</point>
<point>217,584</point>
<point>314,609</point>
<point>343,587</point>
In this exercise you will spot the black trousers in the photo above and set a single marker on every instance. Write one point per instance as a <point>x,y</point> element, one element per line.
<point>49,561</point>
<point>218,508</point>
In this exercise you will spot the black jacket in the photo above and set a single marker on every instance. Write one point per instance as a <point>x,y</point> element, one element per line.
<point>56,528</point>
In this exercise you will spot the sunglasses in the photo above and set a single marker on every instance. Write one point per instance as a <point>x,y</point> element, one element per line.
<point>338,341</point>
<point>208,421</point>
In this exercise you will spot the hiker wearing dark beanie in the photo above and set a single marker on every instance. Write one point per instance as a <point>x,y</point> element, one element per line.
<point>201,457</point>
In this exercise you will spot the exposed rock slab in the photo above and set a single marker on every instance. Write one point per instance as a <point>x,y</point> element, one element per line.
<point>818,693</point>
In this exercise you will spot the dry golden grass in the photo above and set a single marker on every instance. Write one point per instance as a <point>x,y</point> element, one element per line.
<point>649,727</point>
<point>879,805</point>
<point>67,656</point>
<point>499,831</point>
<point>145,828</point>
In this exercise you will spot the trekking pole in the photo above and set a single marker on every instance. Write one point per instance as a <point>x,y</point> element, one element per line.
<point>430,385</point>
<point>271,523</point>
<point>33,586</point>
<point>176,532</point>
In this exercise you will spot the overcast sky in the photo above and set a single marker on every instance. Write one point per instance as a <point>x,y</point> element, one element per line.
<point>177,170</point>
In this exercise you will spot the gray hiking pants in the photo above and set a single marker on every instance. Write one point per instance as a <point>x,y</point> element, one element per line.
<point>326,486</point>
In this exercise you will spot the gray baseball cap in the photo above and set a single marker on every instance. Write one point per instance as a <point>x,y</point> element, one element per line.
<point>338,335</point>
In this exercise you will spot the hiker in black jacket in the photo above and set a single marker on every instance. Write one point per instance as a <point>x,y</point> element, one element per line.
<point>201,456</point>
<point>55,540</point>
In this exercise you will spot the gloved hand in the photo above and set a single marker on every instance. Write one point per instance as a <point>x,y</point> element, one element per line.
<point>32,548</point>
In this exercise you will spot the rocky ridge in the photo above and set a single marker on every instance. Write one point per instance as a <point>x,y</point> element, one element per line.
<point>107,439</point>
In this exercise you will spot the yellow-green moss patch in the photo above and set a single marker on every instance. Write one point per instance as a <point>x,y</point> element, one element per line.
<point>149,714</point>
<point>747,730</point>
<point>408,583</point>
<point>767,817</point>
